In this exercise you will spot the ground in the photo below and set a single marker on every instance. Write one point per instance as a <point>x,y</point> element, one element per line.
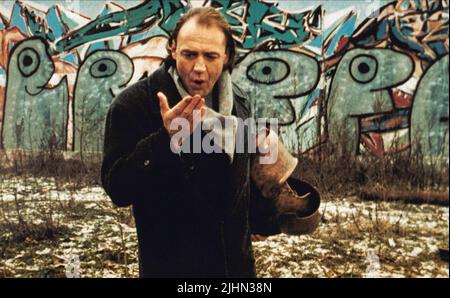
<point>54,229</point>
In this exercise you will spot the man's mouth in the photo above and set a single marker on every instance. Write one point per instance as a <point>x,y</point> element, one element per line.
<point>196,84</point>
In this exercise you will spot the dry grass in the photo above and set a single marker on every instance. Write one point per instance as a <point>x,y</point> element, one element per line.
<point>45,224</point>
<point>52,208</point>
<point>84,223</point>
<point>336,170</point>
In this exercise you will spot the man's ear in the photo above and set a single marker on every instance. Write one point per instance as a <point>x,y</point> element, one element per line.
<point>227,58</point>
<point>173,49</point>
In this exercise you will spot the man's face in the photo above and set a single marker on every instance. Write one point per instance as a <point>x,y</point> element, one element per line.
<point>200,54</point>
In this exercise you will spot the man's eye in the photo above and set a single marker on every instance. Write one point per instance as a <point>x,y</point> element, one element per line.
<point>211,57</point>
<point>189,55</point>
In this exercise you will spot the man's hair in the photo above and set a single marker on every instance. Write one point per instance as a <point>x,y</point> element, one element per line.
<point>206,16</point>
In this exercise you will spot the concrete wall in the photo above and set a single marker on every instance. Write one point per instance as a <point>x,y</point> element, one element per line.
<point>373,71</point>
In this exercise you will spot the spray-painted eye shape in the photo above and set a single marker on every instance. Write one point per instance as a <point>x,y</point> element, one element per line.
<point>268,71</point>
<point>363,68</point>
<point>28,61</point>
<point>103,68</point>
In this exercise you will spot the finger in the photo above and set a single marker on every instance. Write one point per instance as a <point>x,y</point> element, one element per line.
<point>187,112</point>
<point>203,112</point>
<point>190,116</point>
<point>163,103</point>
<point>200,104</point>
<point>197,112</point>
<point>196,96</point>
<point>179,107</point>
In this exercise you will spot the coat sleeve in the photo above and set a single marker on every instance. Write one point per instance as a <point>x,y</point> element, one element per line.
<point>133,166</point>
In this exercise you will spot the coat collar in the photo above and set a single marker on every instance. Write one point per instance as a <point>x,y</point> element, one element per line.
<point>161,81</point>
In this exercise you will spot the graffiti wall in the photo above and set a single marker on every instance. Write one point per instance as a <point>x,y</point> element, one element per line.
<point>370,74</point>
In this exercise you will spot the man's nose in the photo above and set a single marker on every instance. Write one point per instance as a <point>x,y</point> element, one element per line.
<point>199,66</point>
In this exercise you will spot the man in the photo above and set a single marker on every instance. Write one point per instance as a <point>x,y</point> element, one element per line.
<point>194,212</point>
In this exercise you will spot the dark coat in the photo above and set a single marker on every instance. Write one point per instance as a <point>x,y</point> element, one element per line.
<point>194,212</point>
